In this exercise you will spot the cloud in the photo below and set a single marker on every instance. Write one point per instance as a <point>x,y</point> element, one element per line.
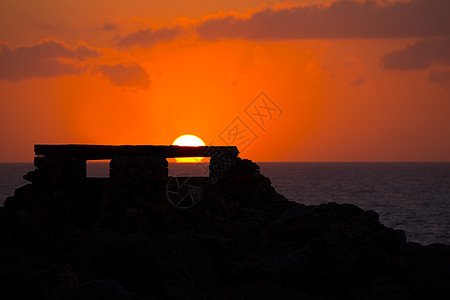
<point>110,26</point>
<point>339,19</point>
<point>419,55</point>
<point>127,76</point>
<point>149,37</point>
<point>424,54</point>
<point>42,60</point>
<point>439,77</point>
<point>83,52</point>
<point>357,82</point>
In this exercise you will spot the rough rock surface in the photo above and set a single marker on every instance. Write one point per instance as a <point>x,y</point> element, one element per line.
<point>242,240</point>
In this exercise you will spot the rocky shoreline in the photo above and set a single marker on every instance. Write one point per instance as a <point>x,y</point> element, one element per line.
<point>242,240</point>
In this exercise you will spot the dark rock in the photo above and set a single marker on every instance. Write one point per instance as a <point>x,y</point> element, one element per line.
<point>134,261</point>
<point>194,268</point>
<point>252,231</point>
<point>83,247</point>
<point>241,272</point>
<point>256,290</point>
<point>176,265</point>
<point>283,268</point>
<point>222,248</point>
<point>103,289</point>
<point>24,219</point>
<point>329,269</point>
<point>69,237</point>
<point>31,280</point>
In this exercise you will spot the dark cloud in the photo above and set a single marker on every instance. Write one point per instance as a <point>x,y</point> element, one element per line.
<point>357,82</point>
<point>340,19</point>
<point>128,76</point>
<point>42,60</point>
<point>439,77</point>
<point>149,37</point>
<point>419,55</point>
<point>83,52</point>
<point>109,26</point>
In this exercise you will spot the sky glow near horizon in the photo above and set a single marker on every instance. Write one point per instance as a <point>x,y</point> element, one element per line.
<point>284,81</point>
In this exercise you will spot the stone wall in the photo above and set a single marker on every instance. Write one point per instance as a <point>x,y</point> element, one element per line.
<point>56,172</point>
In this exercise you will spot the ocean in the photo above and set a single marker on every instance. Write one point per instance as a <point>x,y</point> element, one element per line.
<point>414,197</point>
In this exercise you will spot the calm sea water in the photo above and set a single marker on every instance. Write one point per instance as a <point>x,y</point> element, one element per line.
<point>414,197</point>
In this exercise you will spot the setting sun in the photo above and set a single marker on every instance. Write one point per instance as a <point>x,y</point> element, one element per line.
<point>188,140</point>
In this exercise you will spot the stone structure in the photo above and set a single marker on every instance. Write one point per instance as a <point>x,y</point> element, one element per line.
<point>61,196</point>
<point>66,236</point>
<point>138,181</point>
<point>67,163</point>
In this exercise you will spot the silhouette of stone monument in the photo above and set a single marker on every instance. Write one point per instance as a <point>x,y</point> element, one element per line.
<point>140,170</point>
<point>59,164</point>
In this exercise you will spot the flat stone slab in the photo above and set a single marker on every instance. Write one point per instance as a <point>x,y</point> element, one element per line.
<point>95,152</point>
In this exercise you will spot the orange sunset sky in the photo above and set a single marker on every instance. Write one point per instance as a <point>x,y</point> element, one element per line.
<point>285,81</point>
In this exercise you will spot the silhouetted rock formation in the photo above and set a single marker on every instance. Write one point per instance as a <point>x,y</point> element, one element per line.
<point>69,237</point>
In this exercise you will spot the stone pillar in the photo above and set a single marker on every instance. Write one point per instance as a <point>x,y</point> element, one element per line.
<point>56,172</point>
<point>136,185</point>
<point>220,164</point>
<point>140,173</point>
